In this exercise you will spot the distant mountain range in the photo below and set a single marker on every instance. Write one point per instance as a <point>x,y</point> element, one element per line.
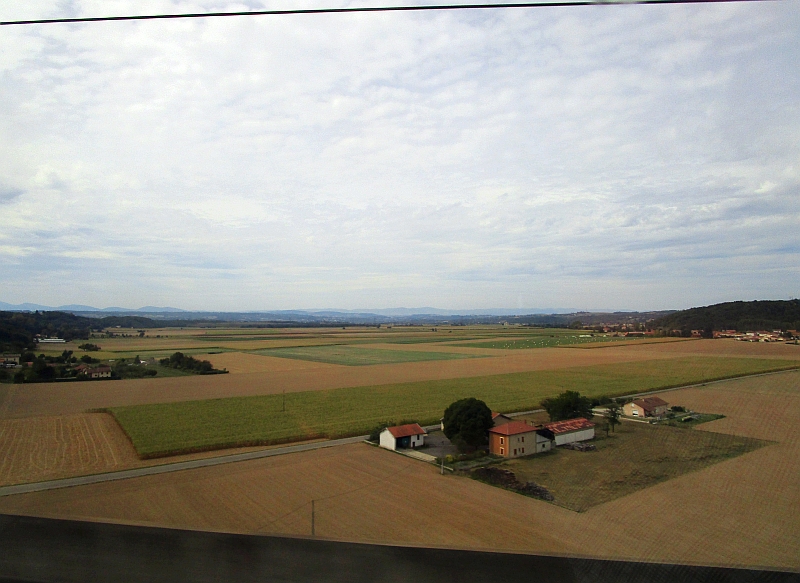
<point>330,312</point>
<point>27,307</point>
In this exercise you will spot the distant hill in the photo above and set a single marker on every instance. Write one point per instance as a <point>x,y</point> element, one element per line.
<point>741,316</point>
<point>28,307</point>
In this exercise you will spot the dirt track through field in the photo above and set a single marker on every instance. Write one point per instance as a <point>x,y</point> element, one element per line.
<point>738,512</point>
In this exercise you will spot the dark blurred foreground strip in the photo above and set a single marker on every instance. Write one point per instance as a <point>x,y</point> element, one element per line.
<point>46,550</point>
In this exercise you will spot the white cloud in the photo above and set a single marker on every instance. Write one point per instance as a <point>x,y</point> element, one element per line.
<point>581,157</point>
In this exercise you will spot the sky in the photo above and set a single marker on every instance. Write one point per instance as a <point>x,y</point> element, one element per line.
<point>603,157</point>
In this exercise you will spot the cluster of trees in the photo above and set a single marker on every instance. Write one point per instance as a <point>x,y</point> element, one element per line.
<point>87,347</point>
<point>43,368</point>
<point>181,361</point>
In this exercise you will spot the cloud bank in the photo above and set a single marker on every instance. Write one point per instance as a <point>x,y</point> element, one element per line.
<point>639,157</point>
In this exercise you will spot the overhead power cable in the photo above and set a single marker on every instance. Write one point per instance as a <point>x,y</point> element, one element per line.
<point>422,8</point>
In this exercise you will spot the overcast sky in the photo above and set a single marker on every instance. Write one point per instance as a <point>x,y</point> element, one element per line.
<point>609,157</point>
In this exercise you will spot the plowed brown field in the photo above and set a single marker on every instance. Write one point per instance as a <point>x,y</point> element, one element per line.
<point>738,512</point>
<point>721,347</point>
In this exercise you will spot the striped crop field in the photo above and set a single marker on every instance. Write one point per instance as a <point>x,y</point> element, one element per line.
<point>164,429</point>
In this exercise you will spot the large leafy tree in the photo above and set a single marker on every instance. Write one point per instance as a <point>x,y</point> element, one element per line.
<point>467,423</point>
<point>568,405</point>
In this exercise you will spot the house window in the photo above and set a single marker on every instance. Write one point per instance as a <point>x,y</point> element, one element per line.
<point>502,440</point>
<point>515,452</point>
<point>502,451</point>
<point>522,439</point>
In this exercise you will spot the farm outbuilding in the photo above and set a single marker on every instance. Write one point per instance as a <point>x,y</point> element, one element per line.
<point>402,437</point>
<point>571,430</point>
<point>655,407</point>
<point>500,419</point>
<point>517,438</point>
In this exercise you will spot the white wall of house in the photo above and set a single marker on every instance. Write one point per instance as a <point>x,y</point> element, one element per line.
<point>387,440</point>
<point>417,440</point>
<point>542,443</point>
<point>573,436</point>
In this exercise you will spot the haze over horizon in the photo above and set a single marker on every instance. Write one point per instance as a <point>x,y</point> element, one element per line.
<point>636,157</point>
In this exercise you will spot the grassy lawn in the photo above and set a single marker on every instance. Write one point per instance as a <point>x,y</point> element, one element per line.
<point>547,341</point>
<point>357,356</point>
<point>638,455</point>
<point>170,428</point>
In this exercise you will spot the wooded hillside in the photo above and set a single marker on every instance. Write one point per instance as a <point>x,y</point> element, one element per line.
<point>740,316</point>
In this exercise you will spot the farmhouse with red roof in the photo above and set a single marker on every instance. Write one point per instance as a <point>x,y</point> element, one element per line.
<point>517,438</point>
<point>402,436</point>
<point>646,407</point>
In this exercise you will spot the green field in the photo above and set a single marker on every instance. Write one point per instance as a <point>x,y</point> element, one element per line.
<point>357,356</point>
<point>171,428</point>
<point>546,341</point>
<point>636,456</point>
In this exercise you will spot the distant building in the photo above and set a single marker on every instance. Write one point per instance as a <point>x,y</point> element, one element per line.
<point>517,438</point>
<point>402,436</point>
<point>97,372</point>
<point>9,360</point>
<point>500,419</point>
<point>50,340</point>
<point>655,407</point>
<point>571,430</point>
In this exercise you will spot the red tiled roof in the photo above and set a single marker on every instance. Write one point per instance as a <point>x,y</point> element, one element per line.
<point>650,403</point>
<point>406,430</point>
<point>569,425</point>
<point>513,428</point>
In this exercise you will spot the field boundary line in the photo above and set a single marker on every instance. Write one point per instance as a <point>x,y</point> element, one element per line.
<point>171,467</point>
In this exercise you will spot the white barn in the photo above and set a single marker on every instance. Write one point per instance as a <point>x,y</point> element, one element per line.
<point>571,430</point>
<point>402,436</point>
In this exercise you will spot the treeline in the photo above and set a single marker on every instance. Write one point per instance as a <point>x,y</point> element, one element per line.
<point>181,361</point>
<point>18,329</point>
<point>739,316</point>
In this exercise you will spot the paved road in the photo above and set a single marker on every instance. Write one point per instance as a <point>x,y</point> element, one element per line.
<point>173,467</point>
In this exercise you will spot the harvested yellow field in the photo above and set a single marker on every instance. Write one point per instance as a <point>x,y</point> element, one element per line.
<point>243,362</point>
<point>738,512</point>
<point>44,448</point>
<point>36,449</point>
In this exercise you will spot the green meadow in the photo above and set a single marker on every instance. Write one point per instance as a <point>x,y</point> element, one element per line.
<point>546,341</point>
